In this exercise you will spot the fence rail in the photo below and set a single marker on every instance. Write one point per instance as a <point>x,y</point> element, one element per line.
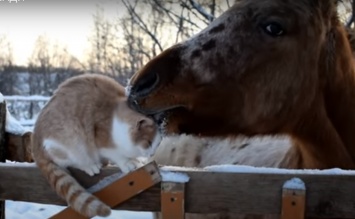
<point>328,196</point>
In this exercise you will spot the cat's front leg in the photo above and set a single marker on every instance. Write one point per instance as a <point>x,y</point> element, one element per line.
<point>91,169</point>
<point>128,164</point>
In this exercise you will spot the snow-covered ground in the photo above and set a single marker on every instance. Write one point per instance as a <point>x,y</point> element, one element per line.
<point>26,210</point>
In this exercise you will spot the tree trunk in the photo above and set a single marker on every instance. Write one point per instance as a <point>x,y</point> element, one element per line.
<point>2,148</point>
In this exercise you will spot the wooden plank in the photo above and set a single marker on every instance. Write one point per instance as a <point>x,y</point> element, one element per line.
<point>2,149</point>
<point>172,200</point>
<point>18,147</point>
<point>293,199</point>
<point>121,190</point>
<point>328,196</point>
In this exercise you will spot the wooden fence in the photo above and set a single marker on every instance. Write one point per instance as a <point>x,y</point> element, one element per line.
<point>325,195</point>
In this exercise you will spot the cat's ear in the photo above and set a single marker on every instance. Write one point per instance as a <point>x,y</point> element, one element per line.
<point>141,123</point>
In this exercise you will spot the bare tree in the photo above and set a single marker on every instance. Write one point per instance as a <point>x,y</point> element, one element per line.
<point>98,60</point>
<point>7,78</point>
<point>120,47</point>
<point>50,64</point>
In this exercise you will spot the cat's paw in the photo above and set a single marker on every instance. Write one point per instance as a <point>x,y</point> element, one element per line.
<point>93,169</point>
<point>129,165</point>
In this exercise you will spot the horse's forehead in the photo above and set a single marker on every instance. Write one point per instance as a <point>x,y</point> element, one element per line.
<point>224,39</point>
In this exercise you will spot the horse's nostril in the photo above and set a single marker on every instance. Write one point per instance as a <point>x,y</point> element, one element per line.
<point>132,103</point>
<point>145,84</point>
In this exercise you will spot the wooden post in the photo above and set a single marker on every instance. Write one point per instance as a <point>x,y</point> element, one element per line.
<point>121,190</point>
<point>293,199</point>
<point>173,200</point>
<point>2,147</point>
<point>18,147</point>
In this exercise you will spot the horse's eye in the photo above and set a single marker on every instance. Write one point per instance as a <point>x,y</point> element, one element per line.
<point>274,29</point>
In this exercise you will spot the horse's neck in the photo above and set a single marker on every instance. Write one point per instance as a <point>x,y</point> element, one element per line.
<point>325,138</point>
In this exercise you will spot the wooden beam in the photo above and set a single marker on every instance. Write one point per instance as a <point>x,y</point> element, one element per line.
<point>328,196</point>
<point>18,147</point>
<point>2,148</point>
<point>121,189</point>
<point>172,200</point>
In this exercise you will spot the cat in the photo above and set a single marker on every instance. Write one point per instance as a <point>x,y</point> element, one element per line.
<point>86,123</point>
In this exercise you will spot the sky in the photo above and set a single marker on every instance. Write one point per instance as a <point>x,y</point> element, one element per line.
<point>68,22</point>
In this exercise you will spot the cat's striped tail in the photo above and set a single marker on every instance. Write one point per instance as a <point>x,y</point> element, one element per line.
<point>70,190</point>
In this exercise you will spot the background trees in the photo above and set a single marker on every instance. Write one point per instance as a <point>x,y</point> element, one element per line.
<point>118,46</point>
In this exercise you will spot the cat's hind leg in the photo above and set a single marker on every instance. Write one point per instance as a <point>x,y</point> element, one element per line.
<point>75,156</point>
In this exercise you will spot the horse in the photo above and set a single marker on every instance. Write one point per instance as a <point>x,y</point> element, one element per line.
<point>264,67</point>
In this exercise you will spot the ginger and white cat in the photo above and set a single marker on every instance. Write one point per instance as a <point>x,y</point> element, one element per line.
<point>86,123</point>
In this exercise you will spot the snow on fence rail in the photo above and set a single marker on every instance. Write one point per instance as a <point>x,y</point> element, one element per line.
<point>27,98</point>
<point>26,108</point>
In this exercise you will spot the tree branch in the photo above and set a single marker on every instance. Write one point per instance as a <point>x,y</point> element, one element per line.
<point>201,10</point>
<point>169,13</point>
<point>141,24</point>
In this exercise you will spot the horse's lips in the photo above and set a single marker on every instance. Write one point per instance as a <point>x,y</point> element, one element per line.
<point>159,117</point>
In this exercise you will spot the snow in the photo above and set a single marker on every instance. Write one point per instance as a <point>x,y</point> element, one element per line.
<point>180,168</point>
<point>27,122</point>
<point>17,164</point>
<point>268,170</point>
<point>168,176</point>
<point>27,98</point>
<point>13,126</point>
<point>1,98</point>
<point>294,183</point>
<point>26,210</point>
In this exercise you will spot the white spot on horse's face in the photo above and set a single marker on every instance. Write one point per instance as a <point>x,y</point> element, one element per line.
<point>128,90</point>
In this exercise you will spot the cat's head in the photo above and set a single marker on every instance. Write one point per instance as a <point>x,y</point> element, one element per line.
<point>136,134</point>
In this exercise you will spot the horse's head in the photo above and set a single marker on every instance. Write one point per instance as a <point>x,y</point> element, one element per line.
<point>254,70</point>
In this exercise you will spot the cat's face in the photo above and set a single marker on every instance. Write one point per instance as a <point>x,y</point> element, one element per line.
<point>136,134</point>
<point>146,135</point>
